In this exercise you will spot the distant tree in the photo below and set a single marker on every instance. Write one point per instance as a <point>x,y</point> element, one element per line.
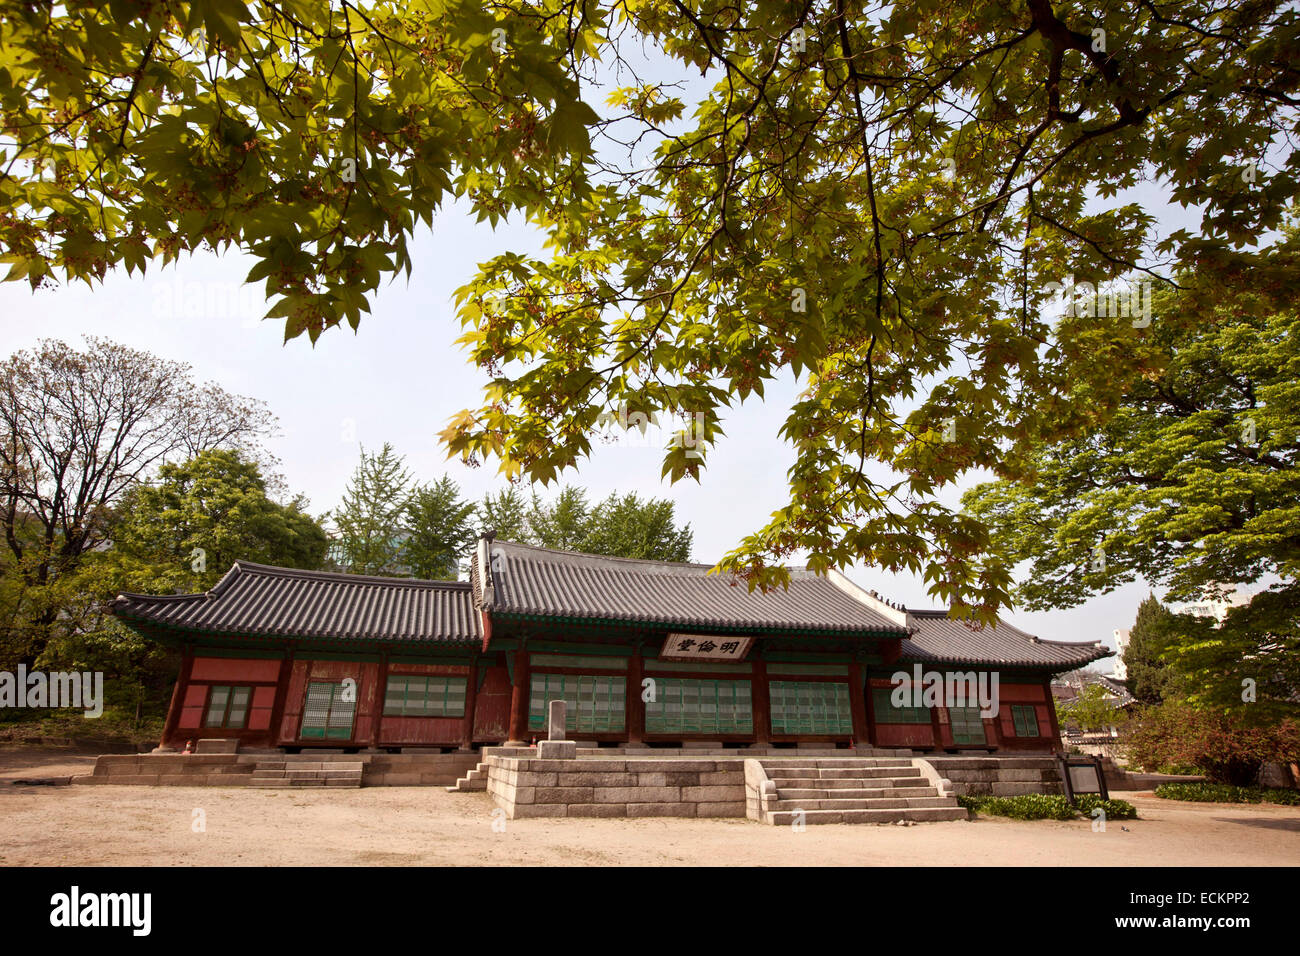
<point>563,523</point>
<point>622,526</point>
<point>628,527</point>
<point>439,529</point>
<point>78,430</point>
<point>371,521</point>
<point>1151,679</point>
<point>1092,710</point>
<point>506,514</point>
<point>184,531</point>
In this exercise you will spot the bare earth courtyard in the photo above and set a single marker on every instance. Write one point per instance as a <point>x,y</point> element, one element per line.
<point>131,826</point>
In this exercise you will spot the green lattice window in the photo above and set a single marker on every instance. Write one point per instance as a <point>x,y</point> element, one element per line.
<point>595,702</point>
<point>885,712</point>
<point>227,706</point>
<point>810,707</point>
<point>967,725</point>
<point>411,696</point>
<point>1025,719</point>
<point>690,706</point>
<point>327,714</point>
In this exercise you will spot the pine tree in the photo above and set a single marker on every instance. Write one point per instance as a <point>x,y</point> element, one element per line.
<point>1150,679</point>
<point>563,524</point>
<point>506,515</point>
<point>440,529</point>
<point>370,524</point>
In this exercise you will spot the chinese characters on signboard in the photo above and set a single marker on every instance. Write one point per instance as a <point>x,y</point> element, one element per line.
<point>704,647</point>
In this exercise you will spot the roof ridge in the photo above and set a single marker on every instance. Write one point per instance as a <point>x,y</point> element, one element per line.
<point>1043,640</point>
<point>654,562</point>
<point>276,571</point>
<point>187,596</point>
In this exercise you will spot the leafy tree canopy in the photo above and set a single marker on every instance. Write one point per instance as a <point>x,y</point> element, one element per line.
<point>1092,710</point>
<point>79,430</point>
<point>876,198</point>
<point>313,135</point>
<point>1193,482</point>
<point>184,531</point>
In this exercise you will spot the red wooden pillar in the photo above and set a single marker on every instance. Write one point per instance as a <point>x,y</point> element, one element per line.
<point>381,694</point>
<point>995,741</point>
<point>869,705</point>
<point>937,725</point>
<point>1057,746</point>
<point>178,695</point>
<point>518,732</point>
<point>281,696</point>
<point>858,705</point>
<point>471,695</point>
<point>634,716</point>
<point>762,703</point>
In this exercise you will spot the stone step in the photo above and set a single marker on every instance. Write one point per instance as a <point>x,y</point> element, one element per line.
<point>875,803</point>
<point>474,781</point>
<point>852,793</point>
<point>844,783</point>
<point>862,763</point>
<point>839,773</point>
<point>307,773</point>
<point>912,814</point>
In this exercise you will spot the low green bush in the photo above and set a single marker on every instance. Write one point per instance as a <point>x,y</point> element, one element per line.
<point>1029,806</point>
<point>1179,769</point>
<point>1114,809</point>
<point>1226,793</point>
<point>1044,806</point>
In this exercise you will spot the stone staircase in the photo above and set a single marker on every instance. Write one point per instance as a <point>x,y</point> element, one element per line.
<point>307,770</point>
<point>475,781</point>
<point>861,790</point>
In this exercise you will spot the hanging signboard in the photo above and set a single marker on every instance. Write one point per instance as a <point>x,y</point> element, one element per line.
<point>705,647</point>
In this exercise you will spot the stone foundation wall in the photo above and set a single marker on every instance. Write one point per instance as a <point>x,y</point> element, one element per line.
<point>415,770</point>
<point>236,770</point>
<point>998,776</point>
<point>595,787</point>
<point>174,770</point>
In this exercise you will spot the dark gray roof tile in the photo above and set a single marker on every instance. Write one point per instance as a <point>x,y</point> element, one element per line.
<point>938,638</point>
<point>538,581</point>
<point>258,600</point>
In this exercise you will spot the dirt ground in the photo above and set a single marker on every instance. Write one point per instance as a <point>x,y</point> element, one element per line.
<point>120,826</point>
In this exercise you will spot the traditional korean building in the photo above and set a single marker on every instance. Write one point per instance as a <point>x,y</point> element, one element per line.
<point>643,651</point>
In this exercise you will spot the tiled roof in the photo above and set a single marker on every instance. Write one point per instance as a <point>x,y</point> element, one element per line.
<point>527,580</point>
<point>1075,681</point>
<point>255,600</point>
<point>938,638</point>
<point>260,600</point>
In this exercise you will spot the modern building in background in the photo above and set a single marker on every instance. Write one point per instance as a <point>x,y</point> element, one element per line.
<point>643,652</point>
<point>1120,670</point>
<point>1216,608</point>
